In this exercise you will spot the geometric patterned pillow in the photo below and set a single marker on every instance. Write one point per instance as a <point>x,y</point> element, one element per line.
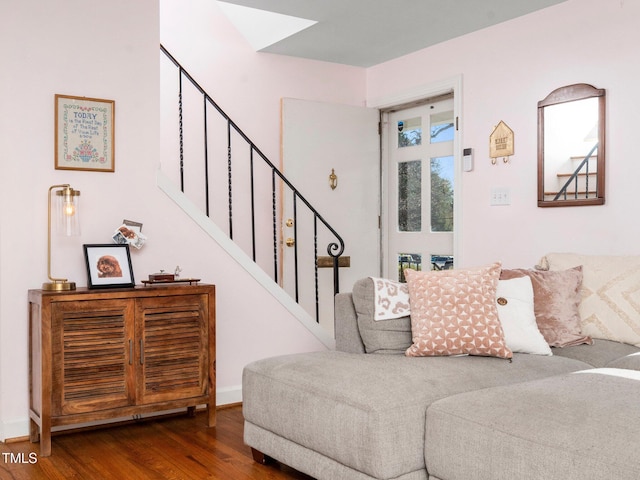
<point>454,312</point>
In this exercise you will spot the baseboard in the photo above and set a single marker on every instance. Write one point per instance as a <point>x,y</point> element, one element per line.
<point>17,430</point>
<point>14,429</point>
<point>229,395</point>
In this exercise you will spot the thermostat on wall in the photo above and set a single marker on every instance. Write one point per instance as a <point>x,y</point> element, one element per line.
<point>467,159</point>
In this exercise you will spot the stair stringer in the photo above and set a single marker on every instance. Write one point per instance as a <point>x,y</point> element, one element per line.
<point>222,239</point>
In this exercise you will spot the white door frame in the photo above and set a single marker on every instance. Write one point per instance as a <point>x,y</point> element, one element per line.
<point>453,84</point>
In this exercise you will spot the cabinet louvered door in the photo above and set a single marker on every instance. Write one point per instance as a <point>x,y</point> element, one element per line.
<point>92,347</point>
<point>173,341</point>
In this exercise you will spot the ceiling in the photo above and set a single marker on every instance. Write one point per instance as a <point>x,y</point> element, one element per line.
<point>365,32</point>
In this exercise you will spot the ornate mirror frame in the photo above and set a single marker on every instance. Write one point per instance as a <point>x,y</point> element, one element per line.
<point>578,191</point>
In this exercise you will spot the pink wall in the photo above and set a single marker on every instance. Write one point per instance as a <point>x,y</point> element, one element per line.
<point>246,84</point>
<point>506,69</point>
<point>53,51</point>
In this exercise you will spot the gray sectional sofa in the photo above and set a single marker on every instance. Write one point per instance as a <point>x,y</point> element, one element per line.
<point>348,414</point>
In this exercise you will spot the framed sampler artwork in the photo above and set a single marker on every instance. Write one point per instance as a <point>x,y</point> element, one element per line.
<point>84,134</point>
<point>108,266</point>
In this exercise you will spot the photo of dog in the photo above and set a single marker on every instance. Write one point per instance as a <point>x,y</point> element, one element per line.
<point>130,234</point>
<point>108,267</point>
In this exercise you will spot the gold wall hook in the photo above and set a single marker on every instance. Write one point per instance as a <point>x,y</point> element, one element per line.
<point>333,180</point>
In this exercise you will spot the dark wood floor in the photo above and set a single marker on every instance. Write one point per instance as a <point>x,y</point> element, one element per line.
<point>176,448</point>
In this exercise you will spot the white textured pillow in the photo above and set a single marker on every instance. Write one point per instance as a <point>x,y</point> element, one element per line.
<point>514,301</point>
<point>610,306</point>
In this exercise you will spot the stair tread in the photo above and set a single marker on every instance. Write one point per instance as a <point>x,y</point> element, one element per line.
<point>579,175</point>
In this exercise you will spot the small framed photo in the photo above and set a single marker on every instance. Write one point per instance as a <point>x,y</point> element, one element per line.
<point>108,266</point>
<point>84,134</point>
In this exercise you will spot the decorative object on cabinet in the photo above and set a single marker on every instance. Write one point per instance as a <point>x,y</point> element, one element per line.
<point>67,223</point>
<point>571,146</point>
<point>84,134</point>
<point>130,233</point>
<point>108,266</point>
<point>164,277</point>
<point>501,143</point>
<point>98,355</point>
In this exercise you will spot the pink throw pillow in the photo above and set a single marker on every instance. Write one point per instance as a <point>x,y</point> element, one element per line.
<point>556,298</point>
<point>454,312</point>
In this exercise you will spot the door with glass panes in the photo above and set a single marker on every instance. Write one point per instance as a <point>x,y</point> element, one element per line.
<point>420,188</point>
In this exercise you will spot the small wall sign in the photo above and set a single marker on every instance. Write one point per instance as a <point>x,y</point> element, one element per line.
<point>501,143</point>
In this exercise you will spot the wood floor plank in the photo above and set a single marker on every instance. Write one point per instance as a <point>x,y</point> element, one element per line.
<point>173,448</point>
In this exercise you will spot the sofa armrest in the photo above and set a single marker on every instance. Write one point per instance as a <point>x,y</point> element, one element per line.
<point>346,325</point>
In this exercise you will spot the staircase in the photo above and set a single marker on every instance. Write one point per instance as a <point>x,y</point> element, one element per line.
<point>580,182</point>
<point>224,182</point>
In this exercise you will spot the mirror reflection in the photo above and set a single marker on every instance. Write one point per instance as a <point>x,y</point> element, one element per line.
<point>571,147</point>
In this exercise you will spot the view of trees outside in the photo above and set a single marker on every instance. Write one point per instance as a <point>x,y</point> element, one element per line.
<point>410,196</point>
<point>410,183</point>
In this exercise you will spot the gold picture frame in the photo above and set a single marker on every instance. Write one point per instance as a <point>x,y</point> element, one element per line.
<point>84,134</point>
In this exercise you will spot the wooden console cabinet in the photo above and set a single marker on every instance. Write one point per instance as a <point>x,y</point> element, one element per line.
<point>104,354</point>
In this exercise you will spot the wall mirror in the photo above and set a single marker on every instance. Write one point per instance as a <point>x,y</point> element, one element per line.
<point>571,146</point>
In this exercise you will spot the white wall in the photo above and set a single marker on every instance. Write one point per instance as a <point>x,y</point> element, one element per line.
<point>506,70</point>
<point>110,50</point>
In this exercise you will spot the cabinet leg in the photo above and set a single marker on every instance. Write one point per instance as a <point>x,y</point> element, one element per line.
<point>34,432</point>
<point>42,435</point>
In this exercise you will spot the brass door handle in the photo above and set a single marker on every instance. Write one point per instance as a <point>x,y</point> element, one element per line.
<point>290,242</point>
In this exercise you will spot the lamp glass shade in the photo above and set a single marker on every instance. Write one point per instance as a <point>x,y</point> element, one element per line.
<point>68,212</point>
<point>64,218</point>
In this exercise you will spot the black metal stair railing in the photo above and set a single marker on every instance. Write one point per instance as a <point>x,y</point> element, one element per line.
<point>279,188</point>
<point>574,177</point>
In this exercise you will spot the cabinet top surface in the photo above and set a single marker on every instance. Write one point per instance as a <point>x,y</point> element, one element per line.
<point>137,291</point>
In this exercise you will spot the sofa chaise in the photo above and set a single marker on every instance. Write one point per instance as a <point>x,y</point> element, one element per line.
<point>369,411</point>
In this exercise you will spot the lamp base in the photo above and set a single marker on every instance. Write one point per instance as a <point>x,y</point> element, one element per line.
<point>59,286</point>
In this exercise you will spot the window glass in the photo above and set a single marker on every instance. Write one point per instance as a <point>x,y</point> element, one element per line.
<point>441,262</point>
<point>442,194</point>
<point>410,196</point>
<point>408,260</point>
<point>410,132</point>
<point>441,127</point>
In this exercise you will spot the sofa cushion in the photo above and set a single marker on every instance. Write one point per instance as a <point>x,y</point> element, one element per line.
<point>603,353</point>
<point>569,427</point>
<point>610,306</point>
<point>383,336</point>
<point>367,412</point>
<point>556,302</point>
<point>630,362</point>
<point>454,312</point>
<point>517,317</point>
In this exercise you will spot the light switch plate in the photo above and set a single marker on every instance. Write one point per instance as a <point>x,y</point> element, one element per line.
<point>500,196</point>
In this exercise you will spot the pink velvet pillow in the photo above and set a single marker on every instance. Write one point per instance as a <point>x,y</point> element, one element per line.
<point>556,298</point>
<point>454,312</point>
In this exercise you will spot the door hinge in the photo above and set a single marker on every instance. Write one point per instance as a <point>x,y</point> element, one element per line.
<point>379,128</point>
<point>457,126</point>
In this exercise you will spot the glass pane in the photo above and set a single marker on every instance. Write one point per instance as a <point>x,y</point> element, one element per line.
<point>442,127</point>
<point>442,194</point>
<point>410,196</point>
<point>410,132</point>
<point>408,260</point>
<point>441,262</point>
